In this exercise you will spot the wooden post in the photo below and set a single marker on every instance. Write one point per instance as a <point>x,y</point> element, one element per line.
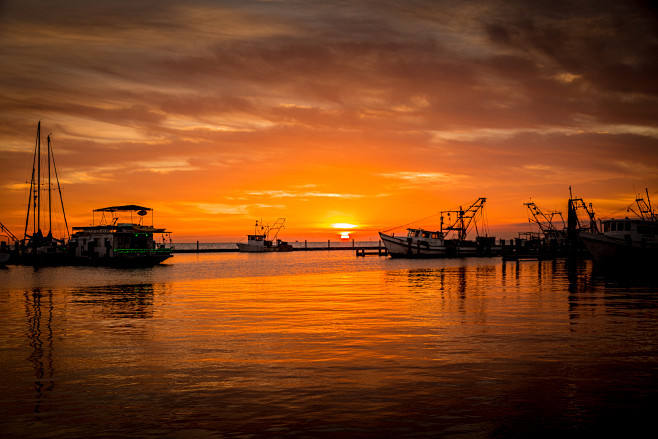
<point>305,245</point>
<point>197,246</point>
<point>328,244</point>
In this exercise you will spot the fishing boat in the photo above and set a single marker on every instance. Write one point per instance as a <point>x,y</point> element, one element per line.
<point>112,242</point>
<point>450,240</point>
<point>554,238</point>
<point>261,242</point>
<point>37,248</point>
<point>626,241</point>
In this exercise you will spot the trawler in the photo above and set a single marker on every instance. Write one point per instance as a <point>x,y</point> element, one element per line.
<point>626,240</point>
<point>449,241</point>
<point>124,244</point>
<point>261,242</point>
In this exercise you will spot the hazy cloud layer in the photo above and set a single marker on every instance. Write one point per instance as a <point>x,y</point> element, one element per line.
<point>227,105</point>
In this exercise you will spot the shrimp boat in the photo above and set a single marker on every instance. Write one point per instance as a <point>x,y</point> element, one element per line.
<point>449,241</point>
<point>628,240</point>
<point>122,244</point>
<point>37,248</point>
<point>261,242</point>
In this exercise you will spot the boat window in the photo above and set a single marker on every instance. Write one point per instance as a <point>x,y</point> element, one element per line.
<point>643,230</point>
<point>435,235</point>
<point>426,234</point>
<point>628,226</point>
<point>606,227</point>
<point>613,227</point>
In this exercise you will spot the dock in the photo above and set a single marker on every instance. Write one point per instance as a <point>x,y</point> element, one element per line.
<point>376,249</point>
<point>371,251</point>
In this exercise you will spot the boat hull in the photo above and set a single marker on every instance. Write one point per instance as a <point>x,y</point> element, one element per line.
<point>405,247</point>
<point>250,248</point>
<point>605,249</point>
<point>4,258</point>
<point>127,261</point>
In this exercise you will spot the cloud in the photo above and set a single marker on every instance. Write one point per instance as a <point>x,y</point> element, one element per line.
<point>415,178</point>
<point>338,103</point>
<point>230,209</point>
<point>304,194</point>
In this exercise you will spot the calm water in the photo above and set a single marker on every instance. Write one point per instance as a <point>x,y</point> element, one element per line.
<point>324,344</point>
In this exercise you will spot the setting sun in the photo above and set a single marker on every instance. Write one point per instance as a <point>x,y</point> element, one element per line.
<point>345,235</point>
<point>344,226</point>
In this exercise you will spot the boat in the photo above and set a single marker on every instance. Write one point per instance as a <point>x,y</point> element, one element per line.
<point>626,241</point>
<point>38,248</point>
<point>7,239</point>
<point>261,242</point>
<point>120,244</point>
<point>450,240</point>
<point>554,238</point>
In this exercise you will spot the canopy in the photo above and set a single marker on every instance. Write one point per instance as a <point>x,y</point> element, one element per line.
<point>127,207</point>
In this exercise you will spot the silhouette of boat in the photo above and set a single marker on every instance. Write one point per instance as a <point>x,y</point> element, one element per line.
<point>449,241</point>
<point>626,241</point>
<point>261,242</point>
<point>36,248</point>
<point>124,244</point>
<point>7,240</point>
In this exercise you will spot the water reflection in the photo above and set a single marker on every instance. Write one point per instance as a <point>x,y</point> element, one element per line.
<point>39,317</point>
<point>119,301</point>
<point>437,348</point>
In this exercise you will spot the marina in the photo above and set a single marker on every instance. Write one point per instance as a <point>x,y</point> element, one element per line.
<point>328,220</point>
<point>115,243</point>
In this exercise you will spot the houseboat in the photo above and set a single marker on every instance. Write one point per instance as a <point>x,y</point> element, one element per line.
<point>122,244</point>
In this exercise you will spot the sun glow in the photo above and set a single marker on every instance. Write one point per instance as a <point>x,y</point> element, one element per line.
<point>344,236</point>
<point>344,226</point>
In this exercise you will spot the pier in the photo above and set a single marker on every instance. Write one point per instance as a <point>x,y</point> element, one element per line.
<point>361,250</point>
<point>372,251</point>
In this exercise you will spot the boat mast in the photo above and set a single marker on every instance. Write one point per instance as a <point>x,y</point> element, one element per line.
<point>465,219</point>
<point>648,207</point>
<point>50,215</point>
<point>31,197</point>
<point>38,191</point>
<point>59,189</point>
<point>646,210</point>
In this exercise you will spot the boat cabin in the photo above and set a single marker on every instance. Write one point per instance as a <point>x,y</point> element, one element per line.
<point>635,228</point>
<point>259,240</point>
<point>420,233</point>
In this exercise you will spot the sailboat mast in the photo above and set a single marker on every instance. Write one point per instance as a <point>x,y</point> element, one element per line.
<point>30,197</point>
<point>59,189</point>
<point>50,216</point>
<point>38,191</point>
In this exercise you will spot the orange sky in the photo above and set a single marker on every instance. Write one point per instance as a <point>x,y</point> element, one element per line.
<point>218,113</point>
